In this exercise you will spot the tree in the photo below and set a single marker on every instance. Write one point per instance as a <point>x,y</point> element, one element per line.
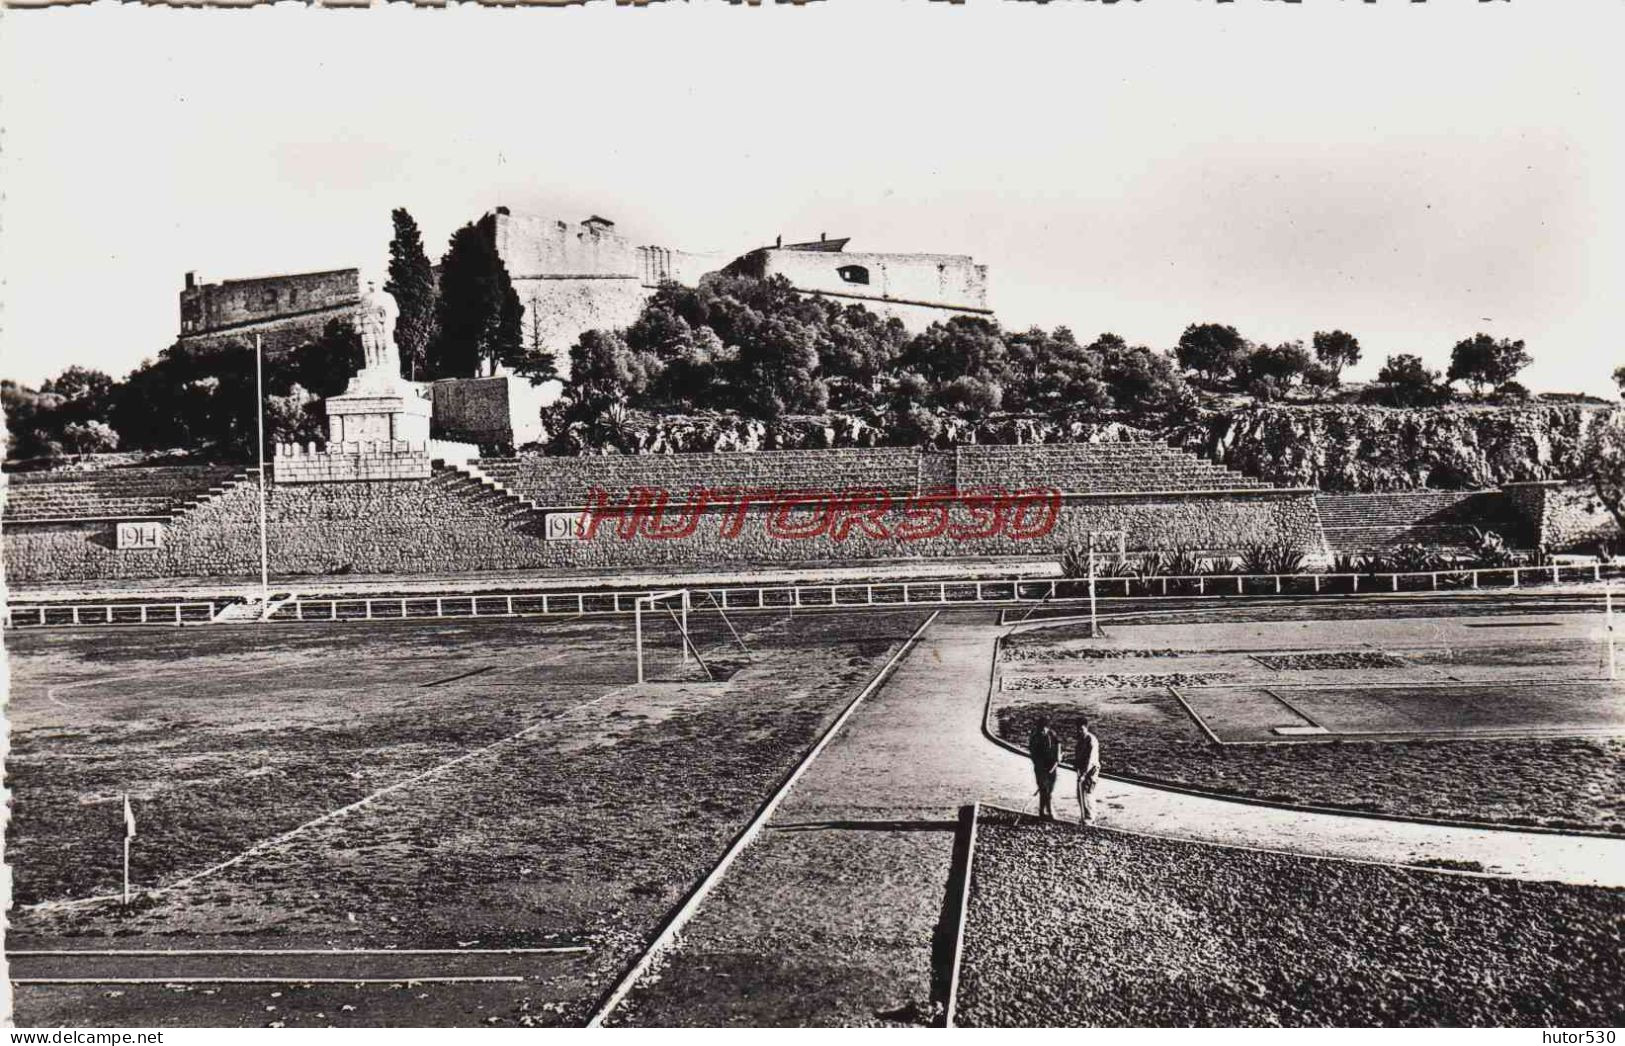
<point>1407,382</point>
<point>779,369</point>
<point>1141,381</point>
<point>1619,379</point>
<point>964,346</point>
<point>1603,461</point>
<point>1483,362</point>
<point>411,281</point>
<point>31,429</point>
<point>87,395</point>
<point>89,437</point>
<point>1210,349</point>
<point>1336,350</point>
<point>605,371</point>
<point>479,320</point>
<point>203,399</point>
<point>971,396</point>
<point>1270,370</point>
<point>1051,371</point>
<point>326,365</point>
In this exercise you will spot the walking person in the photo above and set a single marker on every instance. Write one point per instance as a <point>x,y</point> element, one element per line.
<point>1086,759</point>
<point>1044,745</point>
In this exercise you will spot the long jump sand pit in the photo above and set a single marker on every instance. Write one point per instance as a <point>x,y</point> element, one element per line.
<point>310,793</point>
<point>1310,713</point>
<point>1506,719</point>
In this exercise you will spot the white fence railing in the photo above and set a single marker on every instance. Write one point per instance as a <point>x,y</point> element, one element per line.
<point>822,596</point>
<point>189,613</point>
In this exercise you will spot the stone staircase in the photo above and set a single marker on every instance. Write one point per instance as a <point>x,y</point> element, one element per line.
<point>196,501</point>
<point>468,479</point>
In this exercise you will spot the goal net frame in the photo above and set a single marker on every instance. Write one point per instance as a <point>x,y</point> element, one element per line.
<point>1096,538</point>
<point>655,601</point>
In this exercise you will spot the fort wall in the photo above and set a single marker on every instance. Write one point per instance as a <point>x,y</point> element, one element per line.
<point>285,311</point>
<point>918,289</point>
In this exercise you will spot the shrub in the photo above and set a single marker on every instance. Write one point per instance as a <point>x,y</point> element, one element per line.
<point>1180,562</point>
<point>1075,564</point>
<point>1350,563</point>
<point>1409,558</point>
<point>1489,549</point>
<point>1278,557</point>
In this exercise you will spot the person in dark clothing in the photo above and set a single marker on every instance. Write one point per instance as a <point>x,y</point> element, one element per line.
<point>1044,745</point>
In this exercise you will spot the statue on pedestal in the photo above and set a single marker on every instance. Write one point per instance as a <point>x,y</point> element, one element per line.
<point>375,319</point>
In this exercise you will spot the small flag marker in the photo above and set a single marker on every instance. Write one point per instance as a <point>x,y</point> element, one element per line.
<point>129,833</point>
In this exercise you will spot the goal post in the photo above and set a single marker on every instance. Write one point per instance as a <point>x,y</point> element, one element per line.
<point>673,604</point>
<point>1108,546</point>
<point>1102,545</point>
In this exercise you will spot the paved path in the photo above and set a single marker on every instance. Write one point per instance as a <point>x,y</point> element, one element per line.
<point>837,914</point>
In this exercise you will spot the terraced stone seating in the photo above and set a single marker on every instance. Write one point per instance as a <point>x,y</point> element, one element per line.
<point>1089,468</point>
<point>1072,468</point>
<point>113,493</point>
<point>1356,522</point>
<point>569,481</point>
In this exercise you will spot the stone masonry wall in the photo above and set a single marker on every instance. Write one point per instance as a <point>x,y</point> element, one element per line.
<point>445,524</point>
<point>1566,517</point>
<point>559,310</point>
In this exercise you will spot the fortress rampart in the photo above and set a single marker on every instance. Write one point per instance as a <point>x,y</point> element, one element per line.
<point>284,311</point>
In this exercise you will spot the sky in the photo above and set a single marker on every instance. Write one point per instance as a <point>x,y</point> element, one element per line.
<point>1411,173</point>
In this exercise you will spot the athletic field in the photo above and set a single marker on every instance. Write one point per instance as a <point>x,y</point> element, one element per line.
<point>389,823</point>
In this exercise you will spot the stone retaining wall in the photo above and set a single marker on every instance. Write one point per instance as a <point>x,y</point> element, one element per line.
<point>1565,517</point>
<point>448,524</point>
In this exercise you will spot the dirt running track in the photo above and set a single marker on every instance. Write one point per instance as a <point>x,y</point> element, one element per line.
<point>841,914</point>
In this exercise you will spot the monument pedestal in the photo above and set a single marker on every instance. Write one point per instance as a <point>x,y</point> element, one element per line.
<point>378,429</point>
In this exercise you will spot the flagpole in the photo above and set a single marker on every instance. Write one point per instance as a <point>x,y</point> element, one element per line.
<point>259,415</point>
<point>1608,598</point>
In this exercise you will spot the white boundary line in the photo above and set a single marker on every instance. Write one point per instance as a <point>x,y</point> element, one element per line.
<point>964,914</point>
<point>260,847</point>
<point>268,980</point>
<point>686,912</point>
<point>165,952</point>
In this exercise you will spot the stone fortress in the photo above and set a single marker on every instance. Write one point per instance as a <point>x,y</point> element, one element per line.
<point>573,277</point>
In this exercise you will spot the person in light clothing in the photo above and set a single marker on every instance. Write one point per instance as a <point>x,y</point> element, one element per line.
<point>1086,759</point>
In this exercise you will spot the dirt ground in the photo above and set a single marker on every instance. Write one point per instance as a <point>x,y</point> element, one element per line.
<point>1071,926</point>
<point>585,828</point>
<point>1472,718</point>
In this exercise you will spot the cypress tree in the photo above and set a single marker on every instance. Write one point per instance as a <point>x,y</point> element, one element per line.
<point>411,281</point>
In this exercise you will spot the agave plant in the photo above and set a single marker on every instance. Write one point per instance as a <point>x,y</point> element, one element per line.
<point>1180,561</point>
<point>1489,549</point>
<point>1075,561</point>
<point>1277,557</point>
<point>1350,563</point>
<point>1412,558</point>
<point>1124,567</point>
